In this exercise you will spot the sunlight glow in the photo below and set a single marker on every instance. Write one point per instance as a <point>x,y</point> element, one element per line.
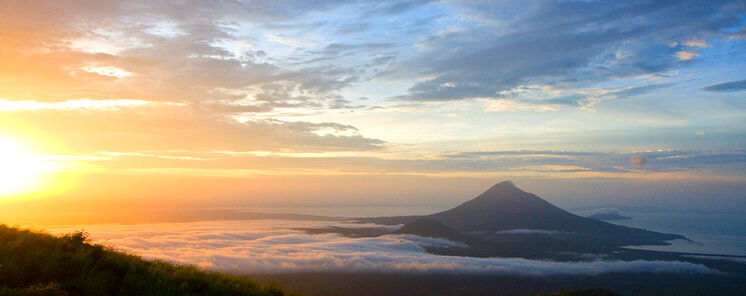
<point>20,170</point>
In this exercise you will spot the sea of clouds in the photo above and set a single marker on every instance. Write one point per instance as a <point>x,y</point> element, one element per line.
<point>274,246</point>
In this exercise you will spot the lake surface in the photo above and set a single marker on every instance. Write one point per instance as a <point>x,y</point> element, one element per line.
<point>712,233</point>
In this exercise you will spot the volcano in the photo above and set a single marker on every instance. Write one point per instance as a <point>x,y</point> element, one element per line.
<point>506,209</point>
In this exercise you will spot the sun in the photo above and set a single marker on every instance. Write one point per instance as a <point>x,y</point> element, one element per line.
<point>20,169</point>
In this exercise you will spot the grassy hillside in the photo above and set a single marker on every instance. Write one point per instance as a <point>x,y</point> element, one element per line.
<point>33,263</point>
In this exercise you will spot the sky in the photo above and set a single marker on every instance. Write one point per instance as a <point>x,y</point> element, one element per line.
<point>111,105</point>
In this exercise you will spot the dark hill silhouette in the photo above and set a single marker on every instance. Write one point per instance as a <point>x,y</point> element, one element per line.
<point>506,207</point>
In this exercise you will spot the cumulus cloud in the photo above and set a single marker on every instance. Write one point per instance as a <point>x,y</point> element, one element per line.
<point>271,246</point>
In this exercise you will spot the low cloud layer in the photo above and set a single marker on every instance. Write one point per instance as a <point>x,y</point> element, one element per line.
<point>271,246</point>
<point>530,231</point>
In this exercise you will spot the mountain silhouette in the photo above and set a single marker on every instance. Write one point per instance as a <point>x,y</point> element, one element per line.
<point>506,207</point>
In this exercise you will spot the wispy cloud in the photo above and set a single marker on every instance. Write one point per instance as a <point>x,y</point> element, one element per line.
<point>727,86</point>
<point>6,105</point>
<point>507,163</point>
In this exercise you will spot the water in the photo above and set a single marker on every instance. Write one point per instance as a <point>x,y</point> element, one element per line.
<point>712,233</point>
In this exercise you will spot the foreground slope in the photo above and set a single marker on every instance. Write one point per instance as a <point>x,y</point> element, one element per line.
<point>33,263</point>
<point>505,207</point>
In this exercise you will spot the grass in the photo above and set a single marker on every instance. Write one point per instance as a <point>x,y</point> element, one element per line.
<point>35,263</point>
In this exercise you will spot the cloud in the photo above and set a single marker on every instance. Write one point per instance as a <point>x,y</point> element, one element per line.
<point>637,160</point>
<point>741,34</point>
<point>530,231</point>
<point>327,161</point>
<point>153,76</point>
<point>697,159</point>
<point>612,211</point>
<point>215,61</point>
<point>565,44</point>
<point>696,43</point>
<point>686,55</point>
<point>520,152</point>
<point>502,105</point>
<point>125,126</point>
<point>637,90</point>
<point>727,86</point>
<point>6,105</point>
<point>271,246</point>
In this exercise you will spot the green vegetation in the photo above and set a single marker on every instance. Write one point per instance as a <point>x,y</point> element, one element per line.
<point>33,263</point>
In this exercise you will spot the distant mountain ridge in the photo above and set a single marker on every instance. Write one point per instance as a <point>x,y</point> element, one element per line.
<point>504,207</point>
